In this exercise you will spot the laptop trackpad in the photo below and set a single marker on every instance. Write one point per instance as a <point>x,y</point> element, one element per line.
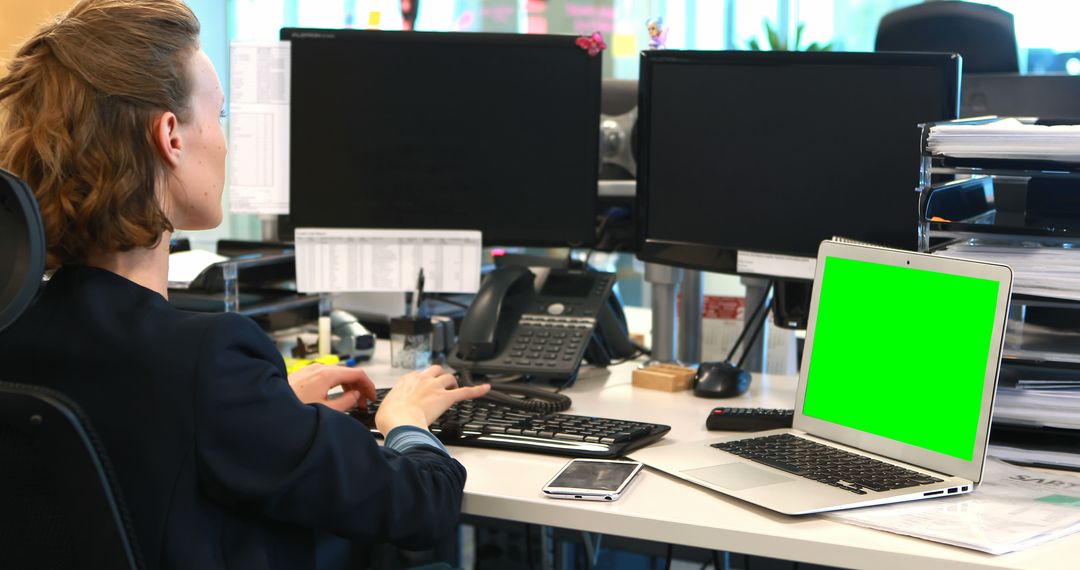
<point>736,476</point>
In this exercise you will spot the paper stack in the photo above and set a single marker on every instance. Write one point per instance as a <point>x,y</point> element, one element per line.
<point>185,266</point>
<point>1044,270</point>
<point>1058,408</point>
<point>1006,139</point>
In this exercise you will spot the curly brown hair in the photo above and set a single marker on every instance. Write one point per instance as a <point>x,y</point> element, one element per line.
<point>76,112</point>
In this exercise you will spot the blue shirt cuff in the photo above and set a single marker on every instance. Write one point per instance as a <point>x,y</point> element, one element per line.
<point>403,438</point>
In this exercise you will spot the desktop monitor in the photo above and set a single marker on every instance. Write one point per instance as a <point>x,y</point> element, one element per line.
<point>773,152</point>
<point>489,132</point>
<point>1011,94</point>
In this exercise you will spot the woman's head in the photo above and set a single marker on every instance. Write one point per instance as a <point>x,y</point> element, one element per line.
<point>100,113</point>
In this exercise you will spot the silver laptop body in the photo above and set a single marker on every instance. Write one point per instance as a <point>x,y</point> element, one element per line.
<point>900,365</point>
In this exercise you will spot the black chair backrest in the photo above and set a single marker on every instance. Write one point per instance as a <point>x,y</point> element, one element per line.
<point>59,504</point>
<point>983,35</point>
<point>59,507</point>
<point>22,247</point>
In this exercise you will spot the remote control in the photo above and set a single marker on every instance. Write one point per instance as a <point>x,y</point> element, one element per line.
<point>748,419</point>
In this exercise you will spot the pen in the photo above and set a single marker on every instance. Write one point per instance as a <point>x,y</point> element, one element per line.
<point>416,296</point>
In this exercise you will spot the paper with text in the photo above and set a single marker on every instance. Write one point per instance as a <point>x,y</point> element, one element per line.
<point>1014,508</point>
<point>754,263</point>
<point>344,260</point>
<point>259,75</point>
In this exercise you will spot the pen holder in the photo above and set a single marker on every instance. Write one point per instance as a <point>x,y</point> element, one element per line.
<point>410,342</point>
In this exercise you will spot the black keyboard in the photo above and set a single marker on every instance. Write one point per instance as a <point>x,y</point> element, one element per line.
<point>829,465</point>
<point>481,423</point>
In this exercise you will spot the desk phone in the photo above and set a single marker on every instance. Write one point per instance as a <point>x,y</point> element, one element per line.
<point>538,324</point>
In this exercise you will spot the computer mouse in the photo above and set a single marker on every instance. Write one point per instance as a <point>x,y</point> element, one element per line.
<point>720,380</point>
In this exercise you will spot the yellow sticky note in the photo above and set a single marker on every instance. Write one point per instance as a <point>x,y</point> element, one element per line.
<point>624,45</point>
<point>373,19</point>
<point>294,364</point>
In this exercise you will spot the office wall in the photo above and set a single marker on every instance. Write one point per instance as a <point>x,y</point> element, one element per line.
<point>20,18</point>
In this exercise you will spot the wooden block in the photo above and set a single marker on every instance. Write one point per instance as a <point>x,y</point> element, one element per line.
<point>665,377</point>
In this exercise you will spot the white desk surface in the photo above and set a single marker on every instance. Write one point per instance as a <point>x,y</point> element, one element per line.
<point>506,485</point>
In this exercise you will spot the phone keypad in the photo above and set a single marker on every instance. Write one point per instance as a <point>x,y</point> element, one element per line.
<point>543,341</point>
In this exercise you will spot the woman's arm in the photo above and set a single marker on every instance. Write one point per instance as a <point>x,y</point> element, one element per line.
<point>261,449</point>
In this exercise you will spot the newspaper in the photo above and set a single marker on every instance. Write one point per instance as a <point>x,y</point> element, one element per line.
<point>1014,508</point>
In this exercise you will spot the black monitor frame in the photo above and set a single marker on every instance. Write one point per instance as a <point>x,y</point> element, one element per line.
<point>716,257</point>
<point>1051,97</point>
<point>575,227</point>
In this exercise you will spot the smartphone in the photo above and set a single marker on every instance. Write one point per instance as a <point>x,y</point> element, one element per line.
<point>592,479</point>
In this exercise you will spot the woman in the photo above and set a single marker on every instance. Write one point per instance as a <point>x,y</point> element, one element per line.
<point>111,114</point>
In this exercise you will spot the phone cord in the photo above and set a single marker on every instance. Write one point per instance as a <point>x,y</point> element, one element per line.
<point>538,400</point>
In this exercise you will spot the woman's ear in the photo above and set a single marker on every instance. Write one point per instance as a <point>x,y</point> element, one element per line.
<point>165,135</point>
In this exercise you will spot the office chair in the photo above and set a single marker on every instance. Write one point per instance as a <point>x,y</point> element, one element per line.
<point>59,504</point>
<point>984,36</point>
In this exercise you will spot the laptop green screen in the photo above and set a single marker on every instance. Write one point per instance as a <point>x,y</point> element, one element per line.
<point>901,353</point>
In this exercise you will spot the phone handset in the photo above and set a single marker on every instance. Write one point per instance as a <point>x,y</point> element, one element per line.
<point>491,317</point>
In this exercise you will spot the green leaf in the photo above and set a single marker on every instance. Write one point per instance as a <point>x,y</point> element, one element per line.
<point>774,38</point>
<point>777,43</point>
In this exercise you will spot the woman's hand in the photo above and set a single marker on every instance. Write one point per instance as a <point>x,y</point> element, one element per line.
<point>419,398</point>
<point>312,383</point>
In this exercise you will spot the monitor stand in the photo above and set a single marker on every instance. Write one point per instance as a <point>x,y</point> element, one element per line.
<point>268,225</point>
<point>663,279</point>
<point>691,307</point>
<point>756,289</point>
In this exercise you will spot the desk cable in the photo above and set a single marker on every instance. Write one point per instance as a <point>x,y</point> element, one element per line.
<point>754,323</point>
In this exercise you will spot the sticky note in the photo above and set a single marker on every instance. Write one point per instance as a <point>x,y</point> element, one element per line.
<point>624,45</point>
<point>294,364</point>
<point>373,19</point>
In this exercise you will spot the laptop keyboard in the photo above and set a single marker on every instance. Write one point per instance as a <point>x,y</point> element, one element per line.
<point>829,465</point>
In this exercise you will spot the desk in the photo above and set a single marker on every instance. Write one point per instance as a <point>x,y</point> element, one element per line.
<point>506,485</point>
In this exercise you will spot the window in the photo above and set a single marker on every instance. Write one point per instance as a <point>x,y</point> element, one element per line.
<point>1047,42</point>
<point>1045,34</point>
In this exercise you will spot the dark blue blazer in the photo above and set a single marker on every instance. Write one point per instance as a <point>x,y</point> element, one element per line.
<point>220,465</point>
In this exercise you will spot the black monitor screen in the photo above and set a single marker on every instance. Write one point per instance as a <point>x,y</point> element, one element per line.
<point>774,152</point>
<point>490,132</point>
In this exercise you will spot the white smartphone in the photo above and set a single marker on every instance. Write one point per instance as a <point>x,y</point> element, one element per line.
<point>592,479</point>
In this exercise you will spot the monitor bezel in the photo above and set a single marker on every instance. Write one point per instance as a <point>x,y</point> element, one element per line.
<point>720,259</point>
<point>591,97</point>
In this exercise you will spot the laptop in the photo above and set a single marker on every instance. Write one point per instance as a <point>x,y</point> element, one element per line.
<point>895,392</point>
